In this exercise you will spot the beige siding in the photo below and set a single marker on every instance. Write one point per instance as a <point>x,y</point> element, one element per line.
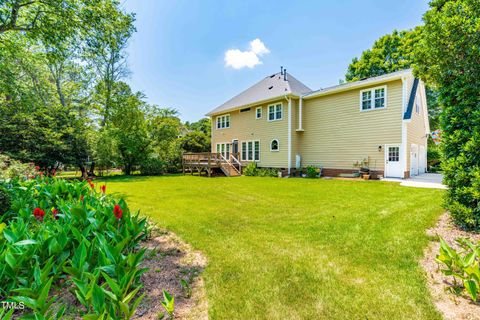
<point>416,127</point>
<point>245,127</point>
<point>337,133</point>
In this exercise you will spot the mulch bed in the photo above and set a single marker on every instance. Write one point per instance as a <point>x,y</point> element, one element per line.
<point>169,260</point>
<point>451,305</point>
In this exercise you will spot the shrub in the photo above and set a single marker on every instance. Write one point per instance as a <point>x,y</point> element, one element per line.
<point>153,166</point>
<point>251,169</point>
<point>433,156</point>
<point>447,58</point>
<point>312,172</point>
<point>267,172</point>
<point>463,265</point>
<point>10,168</point>
<point>62,234</point>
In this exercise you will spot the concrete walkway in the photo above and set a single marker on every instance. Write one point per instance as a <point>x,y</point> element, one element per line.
<point>426,180</point>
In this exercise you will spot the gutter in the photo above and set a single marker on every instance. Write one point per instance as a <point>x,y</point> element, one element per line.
<point>249,105</point>
<point>356,84</point>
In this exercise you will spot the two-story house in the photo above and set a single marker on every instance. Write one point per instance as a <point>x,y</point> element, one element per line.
<point>281,123</point>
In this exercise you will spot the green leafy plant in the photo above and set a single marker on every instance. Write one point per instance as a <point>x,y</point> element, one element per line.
<point>462,265</point>
<point>312,172</point>
<point>250,169</point>
<point>186,288</point>
<point>168,304</point>
<point>60,234</point>
<point>5,200</point>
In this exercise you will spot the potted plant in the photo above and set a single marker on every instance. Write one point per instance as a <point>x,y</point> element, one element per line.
<point>363,168</point>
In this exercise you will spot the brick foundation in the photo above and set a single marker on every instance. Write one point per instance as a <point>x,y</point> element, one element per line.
<point>327,172</point>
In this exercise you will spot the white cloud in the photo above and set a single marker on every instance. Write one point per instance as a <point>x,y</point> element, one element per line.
<point>238,59</point>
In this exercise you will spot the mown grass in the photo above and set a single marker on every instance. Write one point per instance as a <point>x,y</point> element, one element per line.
<point>298,248</point>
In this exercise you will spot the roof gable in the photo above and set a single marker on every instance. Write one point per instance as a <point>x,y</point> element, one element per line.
<point>270,87</point>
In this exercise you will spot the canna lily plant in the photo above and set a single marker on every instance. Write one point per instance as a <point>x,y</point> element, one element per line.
<point>87,243</point>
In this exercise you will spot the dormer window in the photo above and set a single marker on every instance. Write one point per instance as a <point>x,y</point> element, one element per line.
<point>374,98</point>
<point>223,121</point>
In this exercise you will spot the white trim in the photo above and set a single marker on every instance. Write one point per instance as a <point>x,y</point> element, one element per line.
<point>275,113</point>
<point>253,151</point>
<point>278,145</point>
<point>223,116</point>
<point>300,114</point>
<point>423,95</point>
<point>400,160</point>
<point>359,84</point>
<point>256,113</point>
<point>214,113</point>
<point>227,145</point>
<point>372,98</point>
<point>404,125</point>
<point>289,135</point>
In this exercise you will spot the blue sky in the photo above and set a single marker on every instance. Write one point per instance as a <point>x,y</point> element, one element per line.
<point>177,55</point>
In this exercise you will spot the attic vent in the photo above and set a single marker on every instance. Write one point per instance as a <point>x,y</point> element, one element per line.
<point>270,88</point>
<point>245,109</point>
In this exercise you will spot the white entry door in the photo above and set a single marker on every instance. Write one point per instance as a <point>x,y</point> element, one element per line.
<point>393,165</point>
<point>413,160</point>
<point>422,160</point>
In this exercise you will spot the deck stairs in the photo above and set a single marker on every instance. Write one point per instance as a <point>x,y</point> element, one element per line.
<point>231,167</point>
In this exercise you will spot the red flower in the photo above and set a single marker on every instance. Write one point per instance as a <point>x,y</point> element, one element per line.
<point>41,174</point>
<point>103,188</point>
<point>55,212</point>
<point>54,172</point>
<point>37,168</point>
<point>117,211</point>
<point>38,214</point>
<point>91,183</point>
<point>81,197</point>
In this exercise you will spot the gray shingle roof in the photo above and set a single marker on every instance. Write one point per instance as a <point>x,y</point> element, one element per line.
<point>360,83</point>
<point>270,87</point>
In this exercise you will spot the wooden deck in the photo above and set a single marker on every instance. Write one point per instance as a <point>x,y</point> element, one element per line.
<point>208,161</point>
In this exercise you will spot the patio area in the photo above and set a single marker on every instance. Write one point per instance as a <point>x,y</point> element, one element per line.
<point>426,180</point>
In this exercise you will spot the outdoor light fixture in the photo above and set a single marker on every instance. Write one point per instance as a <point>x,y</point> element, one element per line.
<point>379,148</point>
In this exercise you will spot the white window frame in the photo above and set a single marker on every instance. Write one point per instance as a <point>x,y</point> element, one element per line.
<point>275,112</point>
<point>278,145</point>
<point>223,120</point>
<point>256,113</point>
<point>226,150</point>
<point>247,151</point>
<point>372,98</point>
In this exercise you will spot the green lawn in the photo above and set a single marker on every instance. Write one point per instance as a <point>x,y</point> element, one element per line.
<point>298,248</point>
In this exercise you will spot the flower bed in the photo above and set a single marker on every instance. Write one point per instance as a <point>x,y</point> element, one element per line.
<point>64,235</point>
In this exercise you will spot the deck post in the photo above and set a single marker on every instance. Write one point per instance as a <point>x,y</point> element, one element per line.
<point>209,165</point>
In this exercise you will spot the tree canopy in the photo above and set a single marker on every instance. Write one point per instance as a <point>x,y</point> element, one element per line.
<point>390,53</point>
<point>448,57</point>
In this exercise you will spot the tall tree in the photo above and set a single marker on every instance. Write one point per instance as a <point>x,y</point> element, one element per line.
<point>390,53</point>
<point>449,57</point>
<point>105,51</point>
<point>128,126</point>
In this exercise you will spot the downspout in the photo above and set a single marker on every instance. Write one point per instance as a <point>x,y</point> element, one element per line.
<point>405,166</point>
<point>289,135</point>
<point>300,110</point>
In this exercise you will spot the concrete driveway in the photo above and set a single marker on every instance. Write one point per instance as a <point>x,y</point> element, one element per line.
<point>426,180</point>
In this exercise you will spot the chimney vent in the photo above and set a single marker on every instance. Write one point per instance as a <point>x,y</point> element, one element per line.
<point>281,70</point>
<point>285,74</point>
